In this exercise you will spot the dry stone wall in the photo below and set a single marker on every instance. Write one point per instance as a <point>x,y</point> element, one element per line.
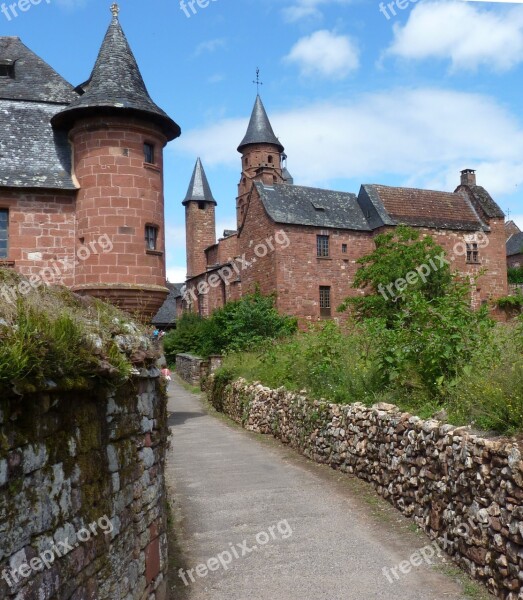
<point>82,496</point>
<point>463,490</point>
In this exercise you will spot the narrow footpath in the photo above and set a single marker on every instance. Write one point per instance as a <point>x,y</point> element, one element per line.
<point>255,521</point>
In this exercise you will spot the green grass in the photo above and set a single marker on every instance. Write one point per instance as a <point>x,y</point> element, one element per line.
<point>343,367</point>
<point>51,334</point>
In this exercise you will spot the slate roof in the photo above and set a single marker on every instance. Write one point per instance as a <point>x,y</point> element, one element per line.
<point>515,244</point>
<point>484,199</point>
<point>116,85</point>
<point>32,155</point>
<point>298,205</point>
<point>374,207</point>
<point>424,208</point>
<point>167,314</point>
<point>199,188</point>
<point>260,129</point>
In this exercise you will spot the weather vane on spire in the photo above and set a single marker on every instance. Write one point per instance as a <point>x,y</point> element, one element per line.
<point>115,9</point>
<point>258,82</point>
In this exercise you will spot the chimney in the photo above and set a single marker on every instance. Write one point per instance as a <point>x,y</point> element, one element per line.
<point>468,177</point>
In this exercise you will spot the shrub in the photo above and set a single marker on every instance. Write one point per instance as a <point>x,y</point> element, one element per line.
<point>515,275</point>
<point>240,325</point>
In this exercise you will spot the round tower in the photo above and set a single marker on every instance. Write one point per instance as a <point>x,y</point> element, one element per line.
<point>261,153</point>
<point>117,134</point>
<point>200,221</point>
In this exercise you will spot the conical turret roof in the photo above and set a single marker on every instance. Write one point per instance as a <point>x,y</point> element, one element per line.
<point>199,188</point>
<point>260,129</point>
<point>116,86</point>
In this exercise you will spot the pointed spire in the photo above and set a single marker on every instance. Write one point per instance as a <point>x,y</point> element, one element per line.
<point>260,129</point>
<point>116,86</point>
<point>199,188</point>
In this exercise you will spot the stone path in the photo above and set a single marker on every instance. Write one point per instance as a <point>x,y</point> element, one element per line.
<point>318,534</point>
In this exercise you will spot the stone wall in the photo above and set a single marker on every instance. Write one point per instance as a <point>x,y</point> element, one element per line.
<point>191,368</point>
<point>463,490</point>
<point>82,498</point>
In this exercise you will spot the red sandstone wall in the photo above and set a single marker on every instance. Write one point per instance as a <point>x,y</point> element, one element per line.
<point>300,273</point>
<point>515,261</point>
<point>41,233</point>
<point>201,233</point>
<point>119,196</point>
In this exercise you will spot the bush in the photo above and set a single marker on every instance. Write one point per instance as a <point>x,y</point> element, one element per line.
<point>515,275</point>
<point>240,325</point>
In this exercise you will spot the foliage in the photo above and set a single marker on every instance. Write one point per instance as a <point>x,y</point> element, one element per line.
<point>239,325</point>
<point>514,301</point>
<point>383,274</point>
<point>52,335</point>
<point>515,275</point>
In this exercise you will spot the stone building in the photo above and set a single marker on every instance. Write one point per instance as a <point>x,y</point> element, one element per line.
<point>81,175</point>
<point>303,243</point>
<point>514,245</point>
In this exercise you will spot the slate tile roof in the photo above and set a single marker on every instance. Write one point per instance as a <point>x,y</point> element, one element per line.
<point>199,188</point>
<point>166,316</point>
<point>260,129</point>
<point>116,85</point>
<point>515,244</point>
<point>298,205</point>
<point>31,154</point>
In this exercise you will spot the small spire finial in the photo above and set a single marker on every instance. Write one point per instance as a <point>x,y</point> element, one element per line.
<point>258,82</point>
<point>115,9</point>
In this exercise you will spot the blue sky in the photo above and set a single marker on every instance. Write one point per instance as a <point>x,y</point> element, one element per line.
<point>354,96</point>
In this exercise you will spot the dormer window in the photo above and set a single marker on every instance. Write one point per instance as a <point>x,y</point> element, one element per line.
<point>7,69</point>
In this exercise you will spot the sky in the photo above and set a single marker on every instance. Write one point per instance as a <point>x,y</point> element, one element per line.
<point>357,93</point>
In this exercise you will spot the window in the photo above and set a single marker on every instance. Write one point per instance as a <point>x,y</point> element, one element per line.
<point>472,253</point>
<point>151,237</point>
<point>344,248</point>
<point>4,237</point>
<point>148,153</point>
<point>7,69</point>
<point>322,246</point>
<point>270,159</point>
<point>201,205</point>
<point>325,301</point>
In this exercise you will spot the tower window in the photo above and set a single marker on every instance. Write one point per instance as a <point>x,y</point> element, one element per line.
<point>344,248</point>
<point>151,237</point>
<point>4,232</point>
<point>325,301</point>
<point>148,153</point>
<point>201,205</point>
<point>472,253</point>
<point>322,246</point>
<point>270,159</point>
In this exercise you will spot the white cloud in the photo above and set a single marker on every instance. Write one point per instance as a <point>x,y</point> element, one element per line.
<point>306,9</point>
<point>468,35</point>
<point>325,54</point>
<point>176,274</point>
<point>209,46</point>
<point>424,137</point>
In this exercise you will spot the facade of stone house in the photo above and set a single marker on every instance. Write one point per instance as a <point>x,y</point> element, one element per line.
<point>81,175</point>
<point>514,245</point>
<point>303,243</point>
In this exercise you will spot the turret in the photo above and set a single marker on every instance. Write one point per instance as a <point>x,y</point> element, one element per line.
<point>117,134</point>
<point>261,155</point>
<point>200,221</point>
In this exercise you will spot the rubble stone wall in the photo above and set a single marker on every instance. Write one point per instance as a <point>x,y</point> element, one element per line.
<point>82,497</point>
<point>191,368</point>
<point>463,490</point>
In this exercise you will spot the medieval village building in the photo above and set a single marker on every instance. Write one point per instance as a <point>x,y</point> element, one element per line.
<point>81,173</point>
<point>303,243</point>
